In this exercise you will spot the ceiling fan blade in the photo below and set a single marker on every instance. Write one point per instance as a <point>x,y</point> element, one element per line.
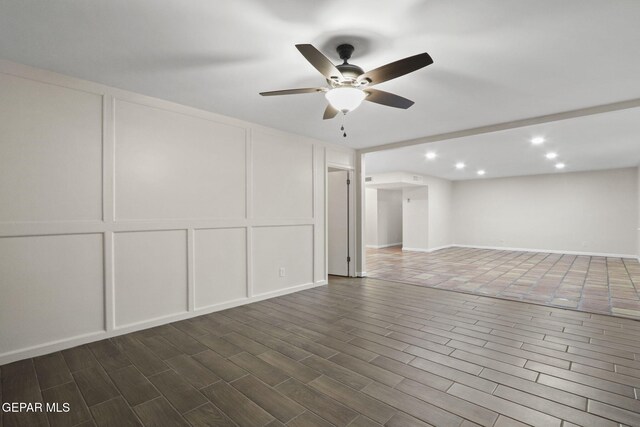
<point>396,69</point>
<point>319,61</point>
<point>388,99</point>
<point>293,91</point>
<point>329,112</point>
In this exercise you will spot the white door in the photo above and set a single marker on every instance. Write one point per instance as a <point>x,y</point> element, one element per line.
<point>338,222</point>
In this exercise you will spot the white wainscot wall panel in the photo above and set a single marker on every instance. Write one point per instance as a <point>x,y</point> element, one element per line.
<point>289,247</point>
<point>50,144</point>
<point>174,166</point>
<point>220,266</point>
<point>150,275</point>
<point>282,176</point>
<point>52,289</point>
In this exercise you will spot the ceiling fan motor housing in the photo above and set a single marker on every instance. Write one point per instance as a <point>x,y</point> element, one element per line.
<point>349,71</point>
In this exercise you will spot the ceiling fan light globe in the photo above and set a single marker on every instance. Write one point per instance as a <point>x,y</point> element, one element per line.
<point>345,99</point>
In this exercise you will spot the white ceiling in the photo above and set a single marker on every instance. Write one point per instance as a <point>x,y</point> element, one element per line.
<point>495,60</point>
<point>602,141</point>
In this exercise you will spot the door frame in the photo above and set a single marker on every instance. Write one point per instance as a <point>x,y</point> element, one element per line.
<point>351,207</point>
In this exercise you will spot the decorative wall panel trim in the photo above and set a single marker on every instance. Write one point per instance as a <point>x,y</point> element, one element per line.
<point>110,227</point>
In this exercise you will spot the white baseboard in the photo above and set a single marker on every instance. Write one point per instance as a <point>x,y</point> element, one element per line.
<point>504,248</point>
<point>437,248</point>
<point>53,346</point>
<point>406,249</point>
<point>384,246</point>
<point>549,251</point>
<point>426,250</point>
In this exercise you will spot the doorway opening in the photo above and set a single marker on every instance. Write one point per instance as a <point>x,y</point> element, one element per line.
<point>396,217</point>
<point>383,218</point>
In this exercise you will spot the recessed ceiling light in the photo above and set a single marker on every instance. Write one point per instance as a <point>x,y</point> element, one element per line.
<point>551,155</point>
<point>537,140</point>
<point>560,165</point>
<point>481,172</point>
<point>430,155</point>
<point>460,165</point>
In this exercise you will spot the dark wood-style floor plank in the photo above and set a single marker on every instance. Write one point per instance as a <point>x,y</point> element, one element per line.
<point>95,385</point>
<point>412,406</point>
<point>590,392</point>
<point>359,352</point>
<point>310,345</point>
<point>220,366</point>
<point>408,371</point>
<point>348,348</point>
<point>108,355</point>
<point>556,409</point>
<point>337,372</point>
<point>144,359</point>
<point>51,370</point>
<point>461,407</point>
<point>403,420</point>
<point>20,384</point>
<point>317,403</point>
<point>381,350</point>
<point>210,325</point>
<point>79,358</point>
<point>158,413</point>
<point>183,342</point>
<point>59,395</point>
<point>221,346</point>
<point>114,413</point>
<point>160,347</point>
<point>560,396</point>
<point>353,399</point>
<point>237,406</point>
<point>308,419</point>
<point>455,375</point>
<point>192,371</point>
<point>272,342</point>
<point>190,327</point>
<point>513,410</point>
<point>368,370</point>
<point>281,407</point>
<point>208,416</point>
<point>363,421</point>
<point>177,391</point>
<point>612,412</point>
<point>289,366</point>
<point>259,368</point>
<point>133,386</point>
<point>246,344</point>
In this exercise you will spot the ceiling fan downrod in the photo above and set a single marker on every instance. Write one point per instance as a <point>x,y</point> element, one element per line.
<point>345,51</point>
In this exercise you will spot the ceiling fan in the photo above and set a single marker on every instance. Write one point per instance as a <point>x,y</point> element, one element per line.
<point>349,85</point>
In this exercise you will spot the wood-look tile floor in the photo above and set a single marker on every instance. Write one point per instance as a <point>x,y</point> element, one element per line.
<point>585,283</point>
<point>358,352</point>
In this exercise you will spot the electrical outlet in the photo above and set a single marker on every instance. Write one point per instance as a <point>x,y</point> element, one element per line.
<point>283,272</point>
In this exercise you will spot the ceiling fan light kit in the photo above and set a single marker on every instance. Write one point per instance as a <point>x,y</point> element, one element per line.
<point>345,98</point>
<point>349,84</point>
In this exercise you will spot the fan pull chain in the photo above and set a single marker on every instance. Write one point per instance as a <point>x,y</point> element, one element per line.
<point>344,134</point>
